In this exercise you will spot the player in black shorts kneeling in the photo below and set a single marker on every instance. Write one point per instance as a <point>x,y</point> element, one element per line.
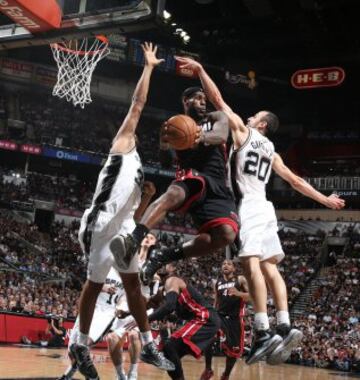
<point>231,295</point>
<point>202,321</point>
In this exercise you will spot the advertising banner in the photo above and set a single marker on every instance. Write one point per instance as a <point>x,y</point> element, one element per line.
<point>8,145</point>
<point>314,78</point>
<point>63,154</point>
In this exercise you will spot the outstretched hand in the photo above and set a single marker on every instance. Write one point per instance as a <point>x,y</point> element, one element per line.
<point>189,63</point>
<point>335,202</point>
<point>150,54</point>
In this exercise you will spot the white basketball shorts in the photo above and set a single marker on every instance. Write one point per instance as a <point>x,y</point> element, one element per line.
<point>258,230</point>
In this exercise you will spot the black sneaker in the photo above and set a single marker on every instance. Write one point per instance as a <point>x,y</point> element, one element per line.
<point>148,270</point>
<point>150,354</point>
<point>84,362</point>
<point>64,377</point>
<point>291,339</point>
<point>123,249</point>
<point>264,342</point>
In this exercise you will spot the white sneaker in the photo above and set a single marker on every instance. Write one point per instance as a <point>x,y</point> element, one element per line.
<point>132,375</point>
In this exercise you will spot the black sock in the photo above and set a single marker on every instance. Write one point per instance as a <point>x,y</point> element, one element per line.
<point>172,254</point>
<point>208,357</point>
<point>230,362</point>
<point>139,233</point>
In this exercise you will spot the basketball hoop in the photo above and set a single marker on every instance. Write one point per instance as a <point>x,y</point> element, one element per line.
<point>76,61</point>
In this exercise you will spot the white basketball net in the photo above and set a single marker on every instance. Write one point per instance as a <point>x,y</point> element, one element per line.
<point>76,61</point>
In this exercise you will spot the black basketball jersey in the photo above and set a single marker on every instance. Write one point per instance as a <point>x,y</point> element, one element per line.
<point>191,304</point>
<point>206,159</point>
<point>229,305</point>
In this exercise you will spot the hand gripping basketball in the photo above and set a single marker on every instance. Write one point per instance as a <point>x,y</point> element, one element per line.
<point>180,132</point>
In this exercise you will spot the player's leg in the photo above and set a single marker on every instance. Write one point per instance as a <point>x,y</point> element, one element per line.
<point>208,372</point>
<point>263,341</point>
<point>134,351</point>
<point>126,245</point>
<point>174,350</point>
<point>115,348</point>
<point>229,365</point>
<point>70,371</point>
<point>291,337</point>
<point>218,229</point>
<point>137,307</point>
<point>100,262</point>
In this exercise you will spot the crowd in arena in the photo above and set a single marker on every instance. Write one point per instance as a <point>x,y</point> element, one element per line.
<point>43,277</point>
<point>331,326</point>
<point>48,120</point>
<point>66,192</point>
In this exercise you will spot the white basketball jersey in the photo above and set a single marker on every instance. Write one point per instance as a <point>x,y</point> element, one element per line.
<point>251,166</point>
<point>116,198</point>
<point>106,300</point>
<point>121,173</point>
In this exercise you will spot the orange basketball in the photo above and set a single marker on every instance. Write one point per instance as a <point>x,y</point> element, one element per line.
<point>180,132</point>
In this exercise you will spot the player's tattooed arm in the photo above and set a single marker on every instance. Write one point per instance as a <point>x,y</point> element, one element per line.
<point>220,131</point>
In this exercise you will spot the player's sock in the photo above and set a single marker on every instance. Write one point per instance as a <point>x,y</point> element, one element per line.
<point>139,233</point>
<point>282,317</point>
<point>230,362</point>
<point>133,367</point>
<point>83,339</point>
<point>146,337</point>
<point>261,321</point>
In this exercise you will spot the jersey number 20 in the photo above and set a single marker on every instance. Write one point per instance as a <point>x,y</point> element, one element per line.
<point>254,165</point>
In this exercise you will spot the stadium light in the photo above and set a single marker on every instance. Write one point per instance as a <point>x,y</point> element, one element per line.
<point>166,15</point>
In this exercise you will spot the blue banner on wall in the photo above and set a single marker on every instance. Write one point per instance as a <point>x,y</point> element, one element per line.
<point>62,154</point>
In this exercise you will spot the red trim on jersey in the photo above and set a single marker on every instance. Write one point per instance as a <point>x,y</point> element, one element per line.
<point>200,312</point>
<point>192,327</point>
<point>218,222</point>
<point>187,332</point>
<point>182,175</point>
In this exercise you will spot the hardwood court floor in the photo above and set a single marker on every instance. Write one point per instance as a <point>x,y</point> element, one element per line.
<point>42,363</point>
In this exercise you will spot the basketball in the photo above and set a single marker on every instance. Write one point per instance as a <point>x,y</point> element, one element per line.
<point>180,132</point>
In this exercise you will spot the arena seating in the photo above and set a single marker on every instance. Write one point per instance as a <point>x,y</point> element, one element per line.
<point>331,326</point>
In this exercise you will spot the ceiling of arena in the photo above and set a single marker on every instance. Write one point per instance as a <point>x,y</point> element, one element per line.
<point>274,33</point>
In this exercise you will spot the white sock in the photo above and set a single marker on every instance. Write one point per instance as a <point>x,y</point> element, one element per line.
<point>146,337</point>
<point>261,321</point>
<point>282,316</point>
<point>119,369</point>
<point>83,339</point>
<point>133,367</point>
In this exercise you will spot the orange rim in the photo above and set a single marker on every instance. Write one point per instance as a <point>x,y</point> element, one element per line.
<point>101,38</point>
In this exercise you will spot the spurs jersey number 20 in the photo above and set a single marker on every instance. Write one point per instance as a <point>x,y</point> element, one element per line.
<point>251,165</point>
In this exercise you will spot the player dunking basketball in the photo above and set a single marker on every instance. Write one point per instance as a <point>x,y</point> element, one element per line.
<point>116,198</point>
<point>200,189</point>
<point>253,158</point>
<point>231,295</point>
<point>202,321</point>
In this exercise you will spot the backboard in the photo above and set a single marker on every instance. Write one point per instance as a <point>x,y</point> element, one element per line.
<point>84,18</point>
